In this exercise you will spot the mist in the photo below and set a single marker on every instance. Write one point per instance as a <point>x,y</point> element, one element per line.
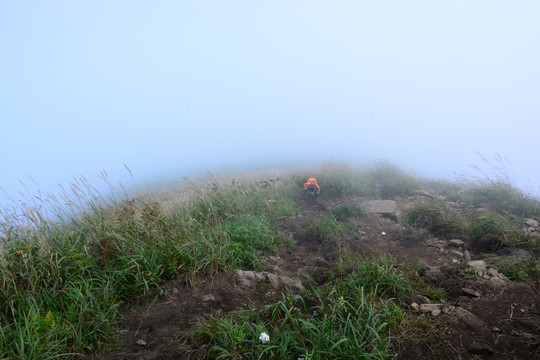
<point>171,89</point>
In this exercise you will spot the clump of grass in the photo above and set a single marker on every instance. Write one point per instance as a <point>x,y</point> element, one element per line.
<point>495,190</point>
<point>503,197</point>
<point>348,210</point>
<point>326,228</point>
<point>378,274</point>
<point>490,232</point>
<point>518,267</point>
<point>437,218</point>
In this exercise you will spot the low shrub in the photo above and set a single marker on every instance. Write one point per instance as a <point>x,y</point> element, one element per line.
<point>327,227</point>
<point>348,210</point>
<point>490,232</point>
<point>438,219</point>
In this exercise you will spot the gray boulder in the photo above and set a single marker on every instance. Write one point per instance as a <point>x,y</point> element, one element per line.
<point>386,208</point>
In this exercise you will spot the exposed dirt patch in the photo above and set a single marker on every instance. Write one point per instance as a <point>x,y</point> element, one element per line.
<point>511,312</point>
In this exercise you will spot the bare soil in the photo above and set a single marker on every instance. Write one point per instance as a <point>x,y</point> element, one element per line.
<point>160,329</point>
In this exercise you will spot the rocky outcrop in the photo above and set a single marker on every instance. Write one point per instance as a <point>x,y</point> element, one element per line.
<point>531,226</point>
<point>251,278</point>
<point>386,208</point>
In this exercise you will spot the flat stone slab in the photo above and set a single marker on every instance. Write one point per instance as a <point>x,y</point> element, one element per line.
<point>386,208</point>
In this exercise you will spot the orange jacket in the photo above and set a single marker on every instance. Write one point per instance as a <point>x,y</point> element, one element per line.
<point>308,183</point>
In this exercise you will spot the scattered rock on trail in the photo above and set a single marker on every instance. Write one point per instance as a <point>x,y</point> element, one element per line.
<point>386,208</point>
<point>251,278</point>
<point>456,242</point>
<point>473,322</point>
<point>531,223</point>
<point>479,348</point>
<point>471,292</point>
<point>421,299</point>
<point>479,266</point>
<point>437,274</point>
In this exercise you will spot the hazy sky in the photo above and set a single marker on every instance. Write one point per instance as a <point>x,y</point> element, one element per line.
<point>171,88</point>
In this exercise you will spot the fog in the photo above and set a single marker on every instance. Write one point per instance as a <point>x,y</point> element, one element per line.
<point>174,88</point>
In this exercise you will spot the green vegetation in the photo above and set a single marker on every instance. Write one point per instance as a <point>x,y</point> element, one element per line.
<point>348,210</point>
<point>490,232</point>
<point>62,282</point>
<point>438,219</point>
<point>326,228</point>
<point>348,318</point>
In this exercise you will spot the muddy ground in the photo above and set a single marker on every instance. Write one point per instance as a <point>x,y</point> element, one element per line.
<point>509,315</point>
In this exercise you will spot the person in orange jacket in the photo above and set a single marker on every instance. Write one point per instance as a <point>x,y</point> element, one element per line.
<point>311,185</point>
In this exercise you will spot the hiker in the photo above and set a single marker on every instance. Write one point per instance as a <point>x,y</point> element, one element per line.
<point>310,186</point>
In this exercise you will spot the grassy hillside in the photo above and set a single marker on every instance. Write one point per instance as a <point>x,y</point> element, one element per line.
<point>63,282</point>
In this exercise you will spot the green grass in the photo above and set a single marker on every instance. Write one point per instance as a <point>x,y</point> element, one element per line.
<point>63,281</point>
<point>490,232</point>
<point>348,318</point>
<point>519,267</point>
<point>348,210</point>
<point>437,218</point>
<point>326,228</point>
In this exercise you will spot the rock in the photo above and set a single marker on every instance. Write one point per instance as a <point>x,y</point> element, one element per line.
<point>530,222</point>
<point>415,307</point>
<point>436,313</point>
<point>277,270</point>
<point>292,283</point>
<point>467,255</point>
<point>437,274</point>
<point>479,266</point>
<point>208,298</point>
<point>274,259</point>
<point>273,279</point>
<point>472,321</point>
<point>141,342</point>
<point>420,299</point>
<point>175,290</point>
<point>479,348</point>
<point>456,253</point>
<point>456,242</point>
<point>427,308</point>
<point>497,282</point>
<point>502,276</point>
<point>471,292</point>
<point>492,272</point>
<point>386,208</point>
<point>249,275</point>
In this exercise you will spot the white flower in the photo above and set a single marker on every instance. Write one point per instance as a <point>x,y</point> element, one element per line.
<point>264,338</point>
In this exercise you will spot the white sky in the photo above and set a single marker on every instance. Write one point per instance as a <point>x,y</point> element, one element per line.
<point>172,88</point>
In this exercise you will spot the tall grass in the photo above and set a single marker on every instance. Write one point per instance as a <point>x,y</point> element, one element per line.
<point>437,218</point>
<point>496,190</point>
<point>63,280</point>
